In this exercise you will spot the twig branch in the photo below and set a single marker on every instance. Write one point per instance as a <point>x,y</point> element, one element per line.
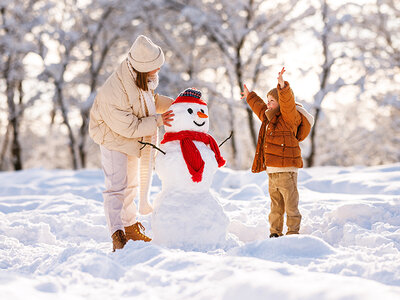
<point>152,145</point>
<point>226,139</point>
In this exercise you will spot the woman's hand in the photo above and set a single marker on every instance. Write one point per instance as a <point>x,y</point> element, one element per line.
<point>280,78</point>
<point>245,92</point>
<point>167,118</point>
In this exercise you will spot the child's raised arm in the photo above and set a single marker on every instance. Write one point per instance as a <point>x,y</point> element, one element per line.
<point>280,78</point>
<point>286,103</point>
<point>256,104</point>
<point>245,92</point>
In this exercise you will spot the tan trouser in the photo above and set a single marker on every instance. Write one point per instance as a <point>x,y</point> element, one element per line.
<point>121,181</point>
<point>284,197</point>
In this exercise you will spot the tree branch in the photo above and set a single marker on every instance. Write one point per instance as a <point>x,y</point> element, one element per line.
<point>226,139</point>
<point>152,145</point>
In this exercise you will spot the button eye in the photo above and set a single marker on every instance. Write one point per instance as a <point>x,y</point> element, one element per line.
<point>190,111</point>
<point>202,110</point>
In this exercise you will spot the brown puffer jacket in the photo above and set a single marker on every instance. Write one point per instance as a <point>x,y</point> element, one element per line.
<point>281,131</point>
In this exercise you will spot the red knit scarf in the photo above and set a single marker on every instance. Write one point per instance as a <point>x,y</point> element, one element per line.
<point>191,154</point>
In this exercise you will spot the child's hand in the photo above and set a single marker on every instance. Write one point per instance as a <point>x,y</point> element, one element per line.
<point>245,92</point>
<point>167,118</point>
<point>280,78</point>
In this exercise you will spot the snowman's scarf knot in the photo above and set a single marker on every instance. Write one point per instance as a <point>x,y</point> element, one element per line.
<point>191,154</point>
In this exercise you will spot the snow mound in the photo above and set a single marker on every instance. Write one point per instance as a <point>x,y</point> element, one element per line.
<point>293,246</point>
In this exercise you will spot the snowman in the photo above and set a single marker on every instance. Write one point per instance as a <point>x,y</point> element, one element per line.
<point>186,214</point>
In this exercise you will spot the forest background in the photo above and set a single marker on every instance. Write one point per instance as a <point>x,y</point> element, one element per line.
<point>342,60</point>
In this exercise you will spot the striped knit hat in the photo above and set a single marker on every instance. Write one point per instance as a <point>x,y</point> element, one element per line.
<point>190,95</point>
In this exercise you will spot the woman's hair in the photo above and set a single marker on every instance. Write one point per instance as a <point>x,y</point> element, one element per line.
<point>141,80</point>
<point>274,93</point>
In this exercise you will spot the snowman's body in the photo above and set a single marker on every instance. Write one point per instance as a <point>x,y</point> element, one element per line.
<point>186,214</point>
<point>173,172</point>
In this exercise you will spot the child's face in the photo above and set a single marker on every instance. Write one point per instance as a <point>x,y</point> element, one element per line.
<point>272,103</point>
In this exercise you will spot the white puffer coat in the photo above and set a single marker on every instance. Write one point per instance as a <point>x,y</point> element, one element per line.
<point>117,120</point>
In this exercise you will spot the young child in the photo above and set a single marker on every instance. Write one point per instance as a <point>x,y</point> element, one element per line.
<point>284,125</point>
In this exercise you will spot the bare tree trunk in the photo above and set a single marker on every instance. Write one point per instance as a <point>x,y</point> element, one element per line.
<point>250,118</point>
<point>232,123</point>
<point>72,142</point>
<point>83,136</point>
<point>14,122</point>
<point>16,146</point>
<point>239,73</point>
<point>311,157</point>
<point>4,147</point>
<point>324,80</point>
<point>12,117</point>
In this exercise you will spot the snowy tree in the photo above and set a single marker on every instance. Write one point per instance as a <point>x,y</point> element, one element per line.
<point>255,33</point>
<point>104,25</point>
<point>361,46</point>
<point>189,54</point>
<point>337,56</point>
<point>18,22</point>
<point>215,46</point>
<point>230,41</point>
<point>85,35</point>
<point>65,32</point>
<point>375,33</point>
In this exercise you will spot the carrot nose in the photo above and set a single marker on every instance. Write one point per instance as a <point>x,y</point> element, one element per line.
<point>202,115</point>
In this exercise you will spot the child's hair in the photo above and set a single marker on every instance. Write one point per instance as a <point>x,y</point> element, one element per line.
<point>141,80</point>
<point>274,93</point>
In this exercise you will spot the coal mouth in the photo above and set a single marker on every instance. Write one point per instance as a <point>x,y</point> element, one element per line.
<point>199,124</point>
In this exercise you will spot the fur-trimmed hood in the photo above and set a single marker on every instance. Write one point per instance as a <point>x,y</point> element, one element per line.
<point>307,122</point>
<point>300,108</point>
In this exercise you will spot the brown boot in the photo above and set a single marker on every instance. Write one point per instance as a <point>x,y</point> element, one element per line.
<point>119,240</point>
<point>133,232</point>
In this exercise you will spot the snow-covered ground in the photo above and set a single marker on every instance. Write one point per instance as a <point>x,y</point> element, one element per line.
<point>54,243</point>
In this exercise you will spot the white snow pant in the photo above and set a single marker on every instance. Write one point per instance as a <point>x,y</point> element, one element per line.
<point>121,182</point>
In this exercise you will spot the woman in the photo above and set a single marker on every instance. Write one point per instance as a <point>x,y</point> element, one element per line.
<point>126,112</point>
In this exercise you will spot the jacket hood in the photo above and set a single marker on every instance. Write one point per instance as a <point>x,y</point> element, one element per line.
<point>305,113</point>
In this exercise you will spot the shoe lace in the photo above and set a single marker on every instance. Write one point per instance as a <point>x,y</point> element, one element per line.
<point>141,226</point>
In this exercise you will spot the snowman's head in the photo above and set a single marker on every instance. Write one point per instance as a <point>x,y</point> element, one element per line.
<point>191,112</point>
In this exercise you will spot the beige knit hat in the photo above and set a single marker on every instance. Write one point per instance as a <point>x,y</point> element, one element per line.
<point>144,55</point>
